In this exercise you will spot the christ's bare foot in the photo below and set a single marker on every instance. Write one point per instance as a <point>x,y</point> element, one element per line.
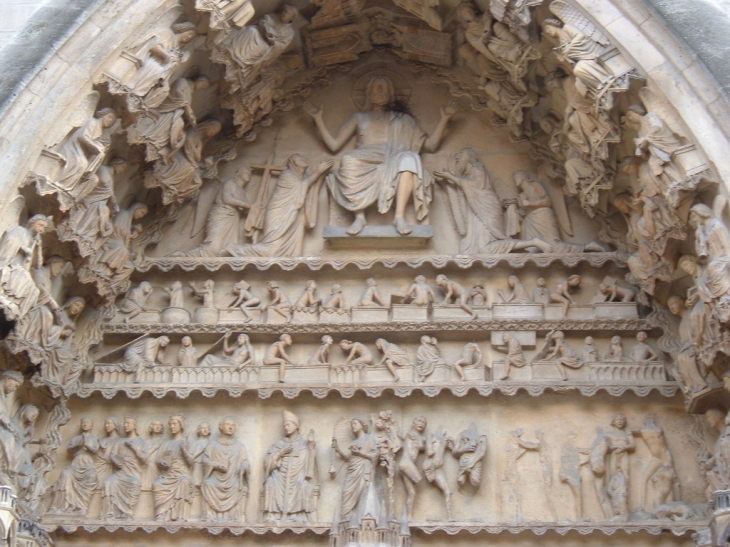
<point>357,226</point>
<point>540,244</point>
<point>402,226</point>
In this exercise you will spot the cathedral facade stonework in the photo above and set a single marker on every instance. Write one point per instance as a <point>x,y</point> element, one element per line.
<point>395,273</point>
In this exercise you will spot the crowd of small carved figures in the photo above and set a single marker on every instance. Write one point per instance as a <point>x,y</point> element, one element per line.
<point>310,307</point>
<point>147,355</point>
<point>376,454</point>
<point>65,277</point>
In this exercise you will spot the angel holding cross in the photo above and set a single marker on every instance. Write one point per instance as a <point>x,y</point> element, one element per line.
<point>292,207</point>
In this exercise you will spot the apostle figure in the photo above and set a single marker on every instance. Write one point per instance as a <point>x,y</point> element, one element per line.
<point>225,476</point>
<point>173,490</point>
<point>291,486</point>
<point>121,490</point>
<point>292,207</point>
<point>73,489</point>
<point>385,166</point>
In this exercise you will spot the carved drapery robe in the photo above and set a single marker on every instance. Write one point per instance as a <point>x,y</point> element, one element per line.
<point>16,252</point>
<point>370,173</point>
<point>661,143</point>
<point>73,489</point>
<point>90,220</point>
<point>427,357</point>
<point>584,52</point>
<point>225,486</point>
<point>173,490</point>
<point>141,354</point>
<point>290,488</point>
<point>713,240</point>
<point>121,489</point>
<point>286,215</point>
<point>539,221</point>
<point>359,474</point>
<point>78,151</point>
<point>257,46</point>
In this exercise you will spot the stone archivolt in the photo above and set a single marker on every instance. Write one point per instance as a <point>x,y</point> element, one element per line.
<point>170,248</point>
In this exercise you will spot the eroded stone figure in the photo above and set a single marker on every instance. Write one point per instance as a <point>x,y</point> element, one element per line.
<point>276,355</point>
<point>478,211</point>
<point>206,293</point>
<point>255,47</point>
<point>72,491</point>
<point>414,442</point>
<point>657,144</point>
<point>176,295</point>
<point>358,354</point>
<point>581,51</point>
<point>433,464</point>
<point>371,297</point>
<point>471,355</point>
<point>322,355</point>
<point>615,352</point>
<point>610,465</point>
<point>121,489</point>
<point>419,293</point>
<point>291,486</point>
<point>278,301</point>
<point>114,263</point>
<point>223,219</point>
<point>717,464</point>
<point>515,356</point>
<point>224,13</point>
<point>238,357</point>
<point>291,209</point>
<point>562,295</point>
<point>226,469</point>
<point>392,356</point>
<point>470,448</point>
<point>173,490</point>
<point>693,374</point>
<point>309,298</point>
<point>145,353</point>
<point>83,153</point>
<point>361,457</point>
<point>158,56</point>
<point>541,294</point>
<point>90,219</point>
<point>611,291</point>
<point>590,352</point>
<point>643,352</point>
<point>659,481</point>
<point>712,244</point>
<point>517,293</point>
<point>539,220</point>
<point>181,177</point>
<point>557,350</point>
<point>187,355</point>
<point>455,293</point>
<point>428,357</point>
<point>135,301</point>
<point>385,167</point>
<point>514,449</point>
<point>478,295</point>
<point>245,299</point>
<point>21,251</point>
<point>335,300</point>
<point>162,130</point>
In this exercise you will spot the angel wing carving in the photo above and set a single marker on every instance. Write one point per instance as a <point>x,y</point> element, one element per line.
<point>84,110</point>
<point>571,15</point>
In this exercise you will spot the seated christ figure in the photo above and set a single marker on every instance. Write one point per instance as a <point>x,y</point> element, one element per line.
<point>385,167</point>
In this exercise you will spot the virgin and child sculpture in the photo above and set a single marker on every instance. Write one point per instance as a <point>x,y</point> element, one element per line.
<point>385,167</point>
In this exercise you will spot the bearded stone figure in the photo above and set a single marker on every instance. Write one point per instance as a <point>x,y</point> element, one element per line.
<point>291,486</point>
<point>385,167</point>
